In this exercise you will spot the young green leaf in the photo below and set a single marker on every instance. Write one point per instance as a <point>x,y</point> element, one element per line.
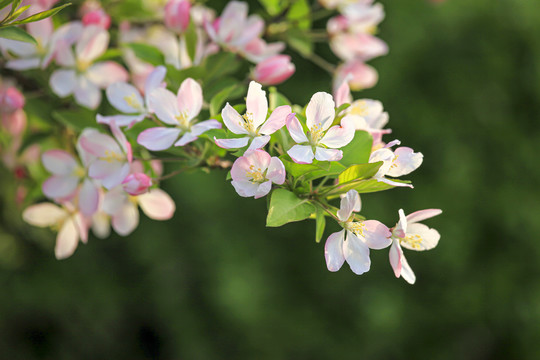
<point>15,33</point>
<point>300,42</point>
<point>320,224</point>
<point>190,37</point>
<point>274,7</point>
<point>147,53</point>
<point>76,119</point>
<point>41,15</point>
<point>231,92</point>
<point>4,3</point>
<point>286,207</point>
<point>299,14</point>
<point>359,172</point>
<point>358,150</point>
<point>14,15</point>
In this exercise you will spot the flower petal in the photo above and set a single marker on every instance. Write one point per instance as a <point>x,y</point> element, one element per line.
<point>395,255</point>
<point>154,81</point>
<point>420,215</point>
<point>120,120</point>
<point>204,126</point>
<point>320,111</point>
<point>190,98</point>
<point>301,154</point>
<point>259,142</point>
<point>125,98</point>
<point>263,189</point>
<point>126,219</point>
<point>232,119</point>
<point>256,104</point>
<point>60,186</point>
<point>186,139</point>
<point>44,214</point>
<point>88,198</point>
<point>333,251</point>
<point>276,171</point>
<point>276,121</point>
<point>405,162</point>
<point>427,237</point>
<point>232,143</point>
<point>87,93</point>
<point>406,271</point>
<point>356,254</point>
<point>165,105</point>
<point>23,64</point>
<point>67,239</point>
<point>376,235</point>
<point>59,162</point>
<point>63,82</point>
<point>245,188</point>
<point>93,42</point>
<point>105,73</point>
<point>101,226</point>
<point>295,129</point>
<point>349,203</point>
<point>157,204</point>
<point>323,154</point>
<point>339,136</point>
<point>158,138</point>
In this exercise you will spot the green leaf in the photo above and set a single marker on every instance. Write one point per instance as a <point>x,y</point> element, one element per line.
<point>4,3</point>
<point>190,37</point>
<point>41,15</point>
<point>76,119</point>
<point>300,42</point>
<point>365,186</point>
<point>312,171</point>
<point>175,76</point>
<point>342,107</point>
<point>276,99</point>
<point>109,55</point>
<point>286,207</point>
<point>14,14</point>
<point>14,33</point>
<point>320,224</point>
<point>231,92</point>
<point>274,7</point>
<point>14,7</point>
<point>359,172</point>
<point>147,53</point>
<point>220,64</point>
<point>299,14</point>
<point>358,150</point>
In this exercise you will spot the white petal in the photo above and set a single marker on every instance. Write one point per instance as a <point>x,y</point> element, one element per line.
<point>63,82</point>
<point>376,235</point>
<point>339,136</point>
<point>395,255</point>
<point>106,73</point>
<point>92,44</point>
<point>87,93</point>
<point>157,204</point>
<point>158,138</point>
<point>185,139</point>
<point>405,161</point>
<point>232,119</point>
<point>320,111</point>
<point>165,105</point>
<point>23,64</point>
<point>125,98</point>
<point>357,254</point>
<point>190,98</point>
<point>259,142</point>
<point>276,121</point>
<point>276,171</point>
<point>406,271</point>
<point>322,154</point>
<point>295,129</point>
<point>120,120</point>
<point>59,162</point>
<point>349,203</point>
<point>59,186</point>
<point>427,238</point>
<point>245,188</point>
<point>67,239</point>
<point>256,103</point>
<point>88,198</point>
<point>204,126</point>
<point>44,214</point>
<point>333,251</point>
<point>301,154</point>
<point>126,219</point>
<point>263,189</point>
<point>232,143</point>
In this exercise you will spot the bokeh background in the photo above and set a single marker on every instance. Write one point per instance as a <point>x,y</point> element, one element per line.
<point>461,84</point>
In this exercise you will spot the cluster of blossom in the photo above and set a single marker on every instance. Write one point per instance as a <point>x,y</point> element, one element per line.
<point>304,158</point>
<point>352,40</point>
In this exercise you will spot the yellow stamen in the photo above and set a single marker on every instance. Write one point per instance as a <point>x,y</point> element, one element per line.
<point>413,241</point>
<point>183,121</point>
<point>359,108</point>
<point>315,134</point>
<point>248,123</point>
<point>357,228</point>
<point>111,156</point>
<point>132,101</point>
<point>256,175</point>
<point>79,172</point>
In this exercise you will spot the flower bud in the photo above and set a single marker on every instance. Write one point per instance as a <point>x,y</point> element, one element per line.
<point>11,100</point>
<point>361,76</point>
<point>274,70</point>
<point>97,17</point>
<point>177,15</point>
<point>14,123</point>
<point>136,184</point>
<point>337,24</point>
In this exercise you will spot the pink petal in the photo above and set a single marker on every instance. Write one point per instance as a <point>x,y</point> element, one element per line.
<point>320,111</point>
<point>376,235</point>
<point>301,154</point>
<point>333,251</point>
<point>63,82</point>
<point>60,186</point>
<point>125,98</point>
<point>204,126</point>
<point>231,143</point>
<point>93,42</point>
<point>185,139</point>
<point>87,93</point>
<point>59,162</point>
<point>23,64</point>
<point>343,94</point>
<point>263,189</point>
<point>44,214</point>
<point>190,98</point>
<point>339,136</point>
<point>158,138</point>
<point>357,254</point>
<point>420,215</point>
<point>395,255</point>
<point>401,227</point>
<point>295,129</point>
<point>256,104</point>
<point>110,173</point>
<point>67,240</point>
<point>259,142</point>
<point>165,105</point>
<point>349,203</point>
<point>126,219</point>
<point>157,204</point>
<point>120,120</point>
<point>232,119</point>
<point>98,144</point>
<point>258,158</point>
<point>322,154</point>
<point>88,198</point>
<point>405,161</point>
<point>245,188</point>
<point>251,29</point>
<point>106,73</point>
<point>121,139</point>
<point>233,16</point>
<point>406,271</point>
<point>276,121</point>
<point>276,171</point>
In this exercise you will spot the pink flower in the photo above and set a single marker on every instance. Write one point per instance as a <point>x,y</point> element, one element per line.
<point>412,235</point>
<point>127,99</point>
<point>360,47</point>
<point>71,225</point>
<point>358,75</point>
<point>113,156</point>
<point>253,123</point>
<point>399,162</point>
<point>14,122</point>
<point>97,17</point>
<point>81,77</point>
<point>352,244</point>
<point>274,70</point>
<point>177,15</point>
<point>123,208</point>
<point>136,184</point>
<point>254,172</point>
<point>179,111</point>
<point>322,141</point>
<point>11,100</point>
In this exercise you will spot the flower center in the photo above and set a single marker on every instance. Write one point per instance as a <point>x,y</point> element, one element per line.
<point>357,228</point>
<point>111,156</point>
<point>132,101</point>
<point>256,175</point>
<point>83,65</point>
<point>183,122</point>
<point>79,172</point>
<point>248,124</point>
<point>413,241</point>
<point>359,108</point>
<point>315,134</point>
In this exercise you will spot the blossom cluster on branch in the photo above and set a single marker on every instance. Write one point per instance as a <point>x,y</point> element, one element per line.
<point>172,84</point>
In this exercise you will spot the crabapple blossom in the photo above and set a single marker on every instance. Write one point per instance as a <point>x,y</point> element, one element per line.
<point>254,172</point>
<point>322,141</point>
<point>352,244</point>
<point>127,99</point>
<point>179,111</point>
<point>70,224</point>
<point>357,18</point>
<point>123,208</point>
<point>113,156</point>
<point>412,235</point>
<point>253,123</point>
<point>177,15</point>
<point>97,17</point>
<point>80,76</point>
<point>359,75</point>
<point>360,47</point>
<point>136,183</point>
<point>399,162</point>
<point>274,70</point>
<point>12,115</point>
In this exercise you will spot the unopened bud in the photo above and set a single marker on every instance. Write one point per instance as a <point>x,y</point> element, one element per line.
<point>177,15</point>
<point>136,184</point>
<point>274,70</point>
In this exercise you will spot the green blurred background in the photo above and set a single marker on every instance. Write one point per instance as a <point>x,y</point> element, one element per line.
<point>461,84</point>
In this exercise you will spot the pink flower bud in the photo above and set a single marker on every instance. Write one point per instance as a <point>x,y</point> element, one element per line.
<point>15,122</point>
<point>177,15</point>
<point>274,70</point>
<point>97,17</point>
<point>337,24</point>
<point>11,100</point>
<point>136,184</point>
<point>360,75</point>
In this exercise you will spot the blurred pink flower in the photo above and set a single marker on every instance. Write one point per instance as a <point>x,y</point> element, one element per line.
<point>274,70</point>
<point>97,17</point>
<point>136,183</point>
<point>358,75</point>
<point>177,15</point>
